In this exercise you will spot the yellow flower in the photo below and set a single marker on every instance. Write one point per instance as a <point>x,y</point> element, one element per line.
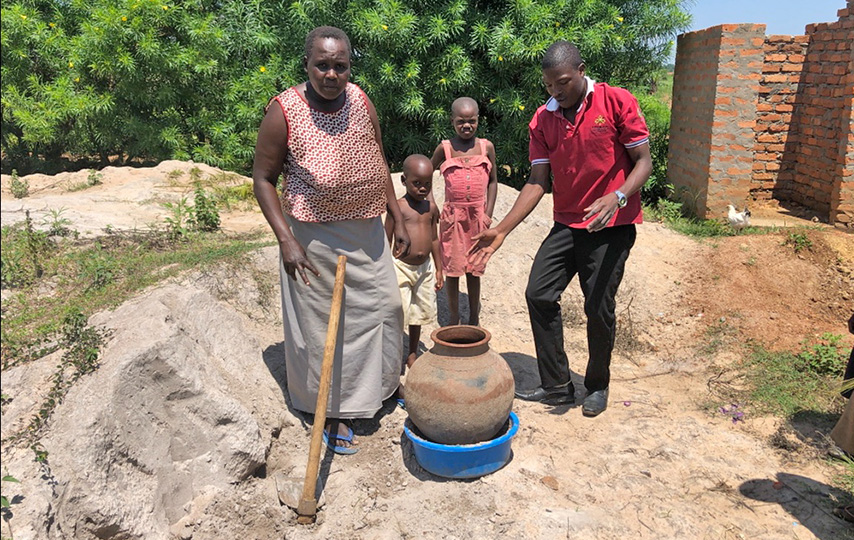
<point>71,64</point>
<point>77,79</point>
<point>124,19</point>
<point>262,69</point>
<point>619,19</point>
<point>24,17</point>
<point>385,27</point>
<point>52,25</point>
<point>492,100</point>
<point>165,8</point>
<point>557,24</point>
<point>442,80</point>
<point>500,58</point>
<point>521,107</point>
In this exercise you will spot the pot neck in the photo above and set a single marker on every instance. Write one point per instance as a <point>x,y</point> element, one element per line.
<point>461,341</point>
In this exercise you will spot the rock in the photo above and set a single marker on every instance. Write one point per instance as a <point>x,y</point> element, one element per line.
<point>165,418</point>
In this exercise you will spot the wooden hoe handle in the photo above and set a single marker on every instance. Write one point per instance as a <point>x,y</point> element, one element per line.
<point>307,509</point>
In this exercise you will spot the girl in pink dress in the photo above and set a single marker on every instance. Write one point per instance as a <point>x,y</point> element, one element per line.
<point>471,184</point>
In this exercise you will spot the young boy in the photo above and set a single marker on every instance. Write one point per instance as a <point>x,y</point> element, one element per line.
<point>415,270</point>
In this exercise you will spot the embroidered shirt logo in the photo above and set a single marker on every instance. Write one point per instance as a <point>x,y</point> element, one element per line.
<point>600,126</point>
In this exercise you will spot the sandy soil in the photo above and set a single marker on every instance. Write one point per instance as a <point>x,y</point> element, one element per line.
<point>661,462</point>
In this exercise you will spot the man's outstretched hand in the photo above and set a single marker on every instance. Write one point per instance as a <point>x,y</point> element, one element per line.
<point>486,244</point>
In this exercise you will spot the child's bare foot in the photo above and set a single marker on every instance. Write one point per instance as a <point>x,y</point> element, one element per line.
<point>410,359</point>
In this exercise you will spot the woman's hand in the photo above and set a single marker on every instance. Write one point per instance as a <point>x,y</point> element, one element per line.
<point>295,261</point>
<point>401,240</point>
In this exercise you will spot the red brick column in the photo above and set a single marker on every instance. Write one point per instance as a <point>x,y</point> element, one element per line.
<point>715,95</point>
<point>773,177</point>
<point>822,121</point>
<point>842,195</point>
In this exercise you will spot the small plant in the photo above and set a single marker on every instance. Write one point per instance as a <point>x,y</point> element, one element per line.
<point>205,216</point>
<point>664,210</point>
<point>195,175</point>
<point>825,357</point>
<point>173,176</point>
<point>20,187</point>
<point>57,225</point>
<point>95,178</point>
<point>178,222</point>
<point>98,267</point>
<point>798,241</point>
<point>228,196</point>
<point>25,251</point>
<point>82,344</point>
<point>6,503</point>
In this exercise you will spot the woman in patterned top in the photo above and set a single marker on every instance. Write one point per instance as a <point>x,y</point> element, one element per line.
<point>324,137</point>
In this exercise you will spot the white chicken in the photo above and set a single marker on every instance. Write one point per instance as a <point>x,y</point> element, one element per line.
<point>738,220</point>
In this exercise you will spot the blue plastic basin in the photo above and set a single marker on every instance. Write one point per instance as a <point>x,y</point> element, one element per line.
<point>463,460</point>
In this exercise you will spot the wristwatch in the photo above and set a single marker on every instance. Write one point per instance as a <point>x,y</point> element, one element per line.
<point>621,198</point>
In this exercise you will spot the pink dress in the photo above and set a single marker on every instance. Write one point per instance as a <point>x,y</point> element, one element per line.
<point>464,214</point>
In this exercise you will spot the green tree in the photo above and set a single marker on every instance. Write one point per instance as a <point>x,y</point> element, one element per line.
<point>153,79</point>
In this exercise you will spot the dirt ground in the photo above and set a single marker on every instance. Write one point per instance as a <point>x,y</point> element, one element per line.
<point>661,462</point>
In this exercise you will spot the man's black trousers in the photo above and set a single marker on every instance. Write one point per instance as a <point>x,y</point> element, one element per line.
<point>599,259</point>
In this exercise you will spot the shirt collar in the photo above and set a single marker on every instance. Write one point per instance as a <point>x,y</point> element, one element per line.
<point>552,104</point>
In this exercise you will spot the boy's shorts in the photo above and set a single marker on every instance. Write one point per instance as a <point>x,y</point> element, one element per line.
<point>417,291</point>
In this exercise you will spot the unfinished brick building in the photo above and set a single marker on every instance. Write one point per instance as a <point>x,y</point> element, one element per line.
<point>765,117</point>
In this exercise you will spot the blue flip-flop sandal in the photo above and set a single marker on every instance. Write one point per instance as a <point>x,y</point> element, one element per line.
<point>343,450</point>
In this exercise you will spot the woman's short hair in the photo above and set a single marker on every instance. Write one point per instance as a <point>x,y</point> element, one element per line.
<point>562,53</point>
<point>323,32</point>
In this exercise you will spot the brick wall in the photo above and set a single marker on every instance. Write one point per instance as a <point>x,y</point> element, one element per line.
<point>692,110</point>
<point>773,176</point>
<point>758,117</point>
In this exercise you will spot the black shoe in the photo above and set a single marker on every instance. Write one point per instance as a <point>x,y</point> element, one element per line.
<point>595,403</point>
<point>559,395</point>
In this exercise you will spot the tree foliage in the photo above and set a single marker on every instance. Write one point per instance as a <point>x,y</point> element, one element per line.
<point>156,79</point>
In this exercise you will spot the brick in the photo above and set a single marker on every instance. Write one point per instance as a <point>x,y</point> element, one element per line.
<point>789,67</point>
<point>776,58</point>
<point>783,107</point>
<point>776,78</point>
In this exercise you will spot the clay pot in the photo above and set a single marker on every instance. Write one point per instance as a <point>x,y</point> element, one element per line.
<point>460,391</point>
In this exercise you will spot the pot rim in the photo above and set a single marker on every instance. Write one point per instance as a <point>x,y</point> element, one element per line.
<point>440,336</point>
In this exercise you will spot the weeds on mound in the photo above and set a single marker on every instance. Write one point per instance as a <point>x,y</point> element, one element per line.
<point>48,276</point>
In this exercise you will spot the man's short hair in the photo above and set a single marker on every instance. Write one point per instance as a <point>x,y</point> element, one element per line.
<point>323,32</point>
<point>562,53</point>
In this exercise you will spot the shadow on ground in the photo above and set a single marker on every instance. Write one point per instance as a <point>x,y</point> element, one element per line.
<point>809,502</point>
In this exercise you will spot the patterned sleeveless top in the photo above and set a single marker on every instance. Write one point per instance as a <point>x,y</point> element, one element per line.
<point>334,169</point>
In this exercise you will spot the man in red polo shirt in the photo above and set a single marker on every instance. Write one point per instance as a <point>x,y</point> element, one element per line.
<point>592,140</point>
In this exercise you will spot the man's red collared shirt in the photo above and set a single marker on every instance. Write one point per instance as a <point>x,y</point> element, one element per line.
<point>589,159</point>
